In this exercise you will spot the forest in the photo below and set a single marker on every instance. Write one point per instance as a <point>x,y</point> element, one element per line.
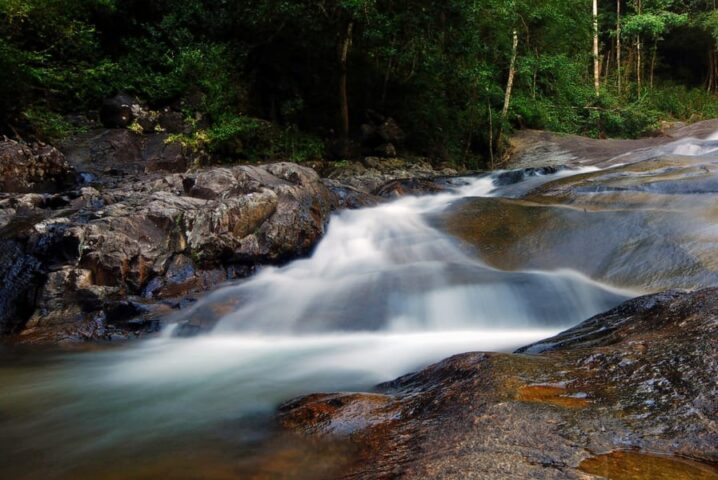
<point>297,79</point>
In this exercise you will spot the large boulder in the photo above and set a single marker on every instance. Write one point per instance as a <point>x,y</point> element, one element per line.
<point>642,376</point>
<point>373,173</point>
<point>162,155</point>
<point>108,157</point>
<point>164,238</point>
<point>33,168</point>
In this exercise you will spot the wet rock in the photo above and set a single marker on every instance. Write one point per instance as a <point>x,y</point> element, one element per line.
<point>640,376</point>
<point>166,237</point>
<point>350,197</point>
<point>536,148</point>
<point>33,168</point>
<point>511,177</point>
<point>21,276</point>
<point>610,213</point>
<point>373,173</point>
<point>411,186</point>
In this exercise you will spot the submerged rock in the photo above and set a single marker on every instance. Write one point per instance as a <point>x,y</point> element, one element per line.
<point>640,376</point>
<point>647,225</point>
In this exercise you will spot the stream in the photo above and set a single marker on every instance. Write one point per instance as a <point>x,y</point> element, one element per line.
<point>386,292</point>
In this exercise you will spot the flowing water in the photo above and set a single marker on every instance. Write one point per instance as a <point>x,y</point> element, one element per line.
<point>384,293</point>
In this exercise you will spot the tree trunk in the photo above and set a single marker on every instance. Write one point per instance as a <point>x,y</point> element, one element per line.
<point>512,73</point>
<point>639,59</point>
<point>710,81</point>
<point>639,65</point>
<point>618,44</point>
<point>344,47</point>
<point>596,60</point>
<point>491,133</point>
<point>654,54</point>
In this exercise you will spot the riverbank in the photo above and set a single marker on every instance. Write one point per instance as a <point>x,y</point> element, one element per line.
<point>104,239</point>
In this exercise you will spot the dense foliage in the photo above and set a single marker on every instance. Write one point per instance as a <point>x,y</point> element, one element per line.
<point>314,68</point>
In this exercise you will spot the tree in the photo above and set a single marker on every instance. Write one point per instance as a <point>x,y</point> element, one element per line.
<point>596,58</point>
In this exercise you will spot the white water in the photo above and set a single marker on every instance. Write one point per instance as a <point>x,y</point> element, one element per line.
<point>385,293</point>
<point>386,269</point>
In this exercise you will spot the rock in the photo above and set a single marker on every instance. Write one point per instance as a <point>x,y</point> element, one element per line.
<point>117,112</point>
<point>536,148</point>
<point>640,376</point>
<point>171,121</point>
<point>21,277</point>
<point>610,213</point>
<point>411,186</point>
<point>163,156</point>
<point>33,168</point>
<point>108,157</point>
<point>165,237</point>
<point>350,197</point>
<point>511,177</point>
<point>373,173</point>
<point>117,150</point>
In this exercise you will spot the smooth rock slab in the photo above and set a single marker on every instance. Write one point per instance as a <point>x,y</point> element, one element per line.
<point>640,376</point>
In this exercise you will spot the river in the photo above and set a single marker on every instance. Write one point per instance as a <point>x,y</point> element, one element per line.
<point>384,293</point>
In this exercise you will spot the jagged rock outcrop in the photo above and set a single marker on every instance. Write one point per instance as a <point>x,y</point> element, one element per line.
<point>639,376</point>
<point>37,167</point>
<point>366,182</point>
<point>111,255</point>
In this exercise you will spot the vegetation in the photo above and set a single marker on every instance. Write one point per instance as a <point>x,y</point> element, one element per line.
<point>285,77</point>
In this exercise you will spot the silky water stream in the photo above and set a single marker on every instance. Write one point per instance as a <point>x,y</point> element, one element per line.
<point>384,293</point>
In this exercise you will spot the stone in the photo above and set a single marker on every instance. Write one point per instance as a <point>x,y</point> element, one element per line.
<point>21,277</point>
<point>641,376</point>
<point>33,168</point>
<point>163,156</point>
<point>161,238</point>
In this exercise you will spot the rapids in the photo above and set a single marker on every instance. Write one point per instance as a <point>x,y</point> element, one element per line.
<point>384,293</point>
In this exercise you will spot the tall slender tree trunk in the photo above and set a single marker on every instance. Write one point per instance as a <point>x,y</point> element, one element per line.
<point>654,54</point>
<point>618,44</point>
<point>512,74</point>
<point>639,59</point>
<point>596,59</point>
<point>711,80</point>
<point>344,47</point>
<point>491,133</point>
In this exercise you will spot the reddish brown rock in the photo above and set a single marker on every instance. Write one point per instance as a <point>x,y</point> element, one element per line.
<point>640,376</point>
<point>33,168</point>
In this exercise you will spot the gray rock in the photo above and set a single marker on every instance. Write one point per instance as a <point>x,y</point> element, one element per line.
<point>33,168</point>
<point>166,237</point>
